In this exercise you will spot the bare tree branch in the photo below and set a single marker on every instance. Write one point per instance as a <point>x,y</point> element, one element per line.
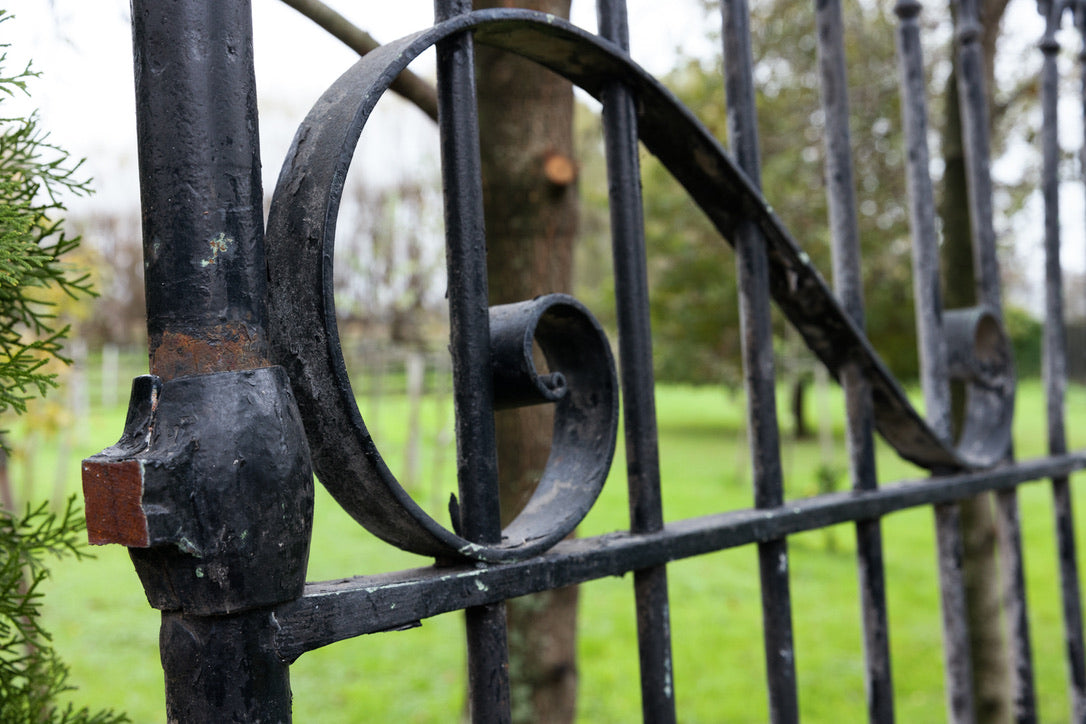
<point>408,85</point>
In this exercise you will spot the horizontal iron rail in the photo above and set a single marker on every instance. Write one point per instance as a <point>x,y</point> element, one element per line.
<point>332,611</point>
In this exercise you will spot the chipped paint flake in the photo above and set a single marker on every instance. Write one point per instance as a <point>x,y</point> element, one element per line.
<point>187,546</point>
<point>219,245</point>
<point>469,548</point>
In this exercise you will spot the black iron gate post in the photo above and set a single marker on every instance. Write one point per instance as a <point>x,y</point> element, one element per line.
<point>210,486</point>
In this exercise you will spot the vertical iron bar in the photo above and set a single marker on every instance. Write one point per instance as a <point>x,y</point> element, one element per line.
<point>847,278</point>
<point>1013,572</point>
<point>1055,347</point>
<point>477,472</point>
<point>1070,597</point>
<point>223,669</point>
<point>959,668</point>
<point>638,388</point>
<point>975,135</point>
<point>933,361</point>
<point>879,677</point>
<point>201,194</point>
<point>466,259</point>
<point>840,188</point>
<point>925,247</point>
<point>758,367</point>
<point>973,97</point>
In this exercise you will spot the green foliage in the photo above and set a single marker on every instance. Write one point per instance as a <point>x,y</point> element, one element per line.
<point>34,173</point>
<point>31,674</point>
<point>694,301</point>
<point>692,270</point>
<point>1026,334</point>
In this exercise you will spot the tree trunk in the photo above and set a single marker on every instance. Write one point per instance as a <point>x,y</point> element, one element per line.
<point>800,429</point>
<point>529,194</point>
<point>992,690</point>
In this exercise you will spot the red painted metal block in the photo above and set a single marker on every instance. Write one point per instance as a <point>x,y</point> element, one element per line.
<point>113,492</point>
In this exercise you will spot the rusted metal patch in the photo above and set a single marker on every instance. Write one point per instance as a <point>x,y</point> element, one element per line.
<point>113,492</point>
<point>220,348</point>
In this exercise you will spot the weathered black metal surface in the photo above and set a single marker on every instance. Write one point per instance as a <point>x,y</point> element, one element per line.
<point>478,519</point>
<point>223,669</point>
<point>465,254</point>
<point>1070,598</point>
<point>932,339</point>
<point>990,400</point>
<point>958,666</point>
<point>1055,344</point>
<point>976,346</point>
<point>759,373</point>
<point>667,129</point>
<point>513,328</point>
<point>927,281</point>
<point>341,609</point>
<point>978,353</point>
<point>973,100</point>
<point>212,473</point>
<point>586,411</point>
<point>1013,579</point>
<point>200,186</point>
<point>859,420</point>
<point>643,483</point>
<point>585,428</point>
<point>301,229</point>
<point>213,477</point>
<point>219,514</point>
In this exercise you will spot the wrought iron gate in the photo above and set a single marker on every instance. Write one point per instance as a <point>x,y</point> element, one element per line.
<point>210,485</point>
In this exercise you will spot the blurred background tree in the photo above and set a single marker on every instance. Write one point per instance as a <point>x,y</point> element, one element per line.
<point>694,309</point>
<point>695,322</point>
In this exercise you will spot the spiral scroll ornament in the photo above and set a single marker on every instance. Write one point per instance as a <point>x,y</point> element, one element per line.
<point>581,382</point>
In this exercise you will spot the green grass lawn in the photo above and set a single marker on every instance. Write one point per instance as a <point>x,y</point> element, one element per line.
<point>105,630</point>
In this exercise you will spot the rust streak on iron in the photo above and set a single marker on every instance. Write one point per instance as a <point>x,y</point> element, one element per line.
<point>221,348</point>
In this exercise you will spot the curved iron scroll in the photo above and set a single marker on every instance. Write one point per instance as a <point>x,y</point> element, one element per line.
<point>581,382</point>
<point>301,230</point>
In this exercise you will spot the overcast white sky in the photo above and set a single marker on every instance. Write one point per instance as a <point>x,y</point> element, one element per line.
<point>84,52</point>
